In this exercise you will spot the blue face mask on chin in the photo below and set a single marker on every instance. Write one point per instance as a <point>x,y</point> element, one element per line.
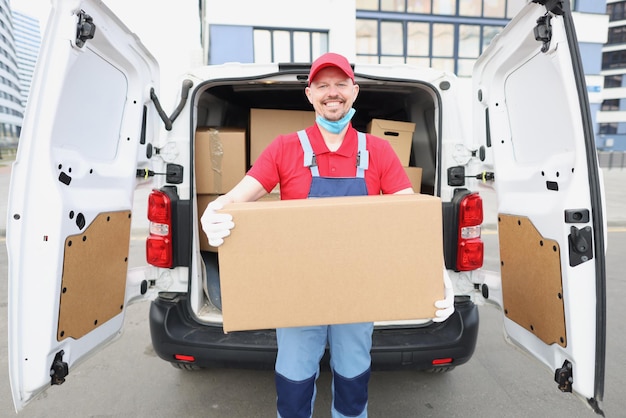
<point>335,126</point>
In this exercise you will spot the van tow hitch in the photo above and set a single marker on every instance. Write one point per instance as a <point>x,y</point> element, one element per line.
<point>59,369</point>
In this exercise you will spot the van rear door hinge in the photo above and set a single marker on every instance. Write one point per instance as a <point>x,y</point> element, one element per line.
<point>85,29</point>
<point>543,31</point>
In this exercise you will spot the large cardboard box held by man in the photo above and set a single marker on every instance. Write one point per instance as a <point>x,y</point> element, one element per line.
<point>331,261</point>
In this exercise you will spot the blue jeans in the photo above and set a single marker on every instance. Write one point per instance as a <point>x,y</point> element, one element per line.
<point>300,350</point>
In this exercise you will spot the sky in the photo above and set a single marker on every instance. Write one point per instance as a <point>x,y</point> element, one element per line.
<point>171,34</point>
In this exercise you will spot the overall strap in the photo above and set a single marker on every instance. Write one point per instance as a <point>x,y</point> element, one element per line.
<point>362,156</point>
<point>309,156</point>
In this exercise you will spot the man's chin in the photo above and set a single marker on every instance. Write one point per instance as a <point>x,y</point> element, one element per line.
<point>333,116</point>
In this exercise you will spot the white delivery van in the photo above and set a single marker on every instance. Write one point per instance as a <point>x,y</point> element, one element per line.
<point>92,134</point>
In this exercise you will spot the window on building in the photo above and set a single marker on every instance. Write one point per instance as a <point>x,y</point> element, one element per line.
<point>418,6</point>
<point>402,34</point>
<point>513,7</point>
<point>613,60</point>
<point>471,8</point>
<point>367,40</point>
<point>288,45</point>
<point>608,128</point>
<point>418,39</point>
<point>617,35</point>
<point>611,105</point>
<point>475,8</point>
<point>367,4</point>
<point>392,5</point>
<point>616,11</point>
<point>494,8</point>
<point>392,38</point>
<point>444,7</point>
<point>613,81</point>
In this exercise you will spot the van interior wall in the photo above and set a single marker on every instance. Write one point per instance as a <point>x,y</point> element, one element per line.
<point>229,106</point>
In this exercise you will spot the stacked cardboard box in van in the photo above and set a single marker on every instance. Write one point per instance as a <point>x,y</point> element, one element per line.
<point>400,137</point>
<point>267,124</point>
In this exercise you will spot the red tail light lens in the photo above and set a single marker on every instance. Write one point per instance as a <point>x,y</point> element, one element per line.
<point>159,248</point>
<point>470,248</point>
<point>471,210</point>
<point>159,207</point>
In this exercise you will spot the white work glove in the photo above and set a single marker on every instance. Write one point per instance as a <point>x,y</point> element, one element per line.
<point>216,226</point>
<point>445,307</point>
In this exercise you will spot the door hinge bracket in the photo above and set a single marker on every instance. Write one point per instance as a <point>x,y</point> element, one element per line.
<point>580,248</point>
<point>543,31</point>
<point>59,369</point>
<point>563,377</point>
<point>85,29</point>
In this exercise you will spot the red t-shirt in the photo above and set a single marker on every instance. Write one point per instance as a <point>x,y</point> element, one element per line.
<point>283,162</point>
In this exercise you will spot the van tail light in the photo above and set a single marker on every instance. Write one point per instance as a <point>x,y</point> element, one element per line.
<point>470,248</point>
<point>159,248</point>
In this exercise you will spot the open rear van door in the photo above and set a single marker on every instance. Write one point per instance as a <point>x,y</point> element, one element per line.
<point>532,114</point>
<point>71,194</point>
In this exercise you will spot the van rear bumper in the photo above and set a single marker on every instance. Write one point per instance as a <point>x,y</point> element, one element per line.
<point>175,332</point>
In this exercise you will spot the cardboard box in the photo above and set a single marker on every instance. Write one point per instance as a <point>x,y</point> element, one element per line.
<point>330,261</point>
<point>220,159</point>
<point>415,176</point>
<point>203,202</point>
<point>267,124</point>
<point>399,135</point>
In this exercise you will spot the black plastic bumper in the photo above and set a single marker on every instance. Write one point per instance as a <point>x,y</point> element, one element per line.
<point>175,332</point>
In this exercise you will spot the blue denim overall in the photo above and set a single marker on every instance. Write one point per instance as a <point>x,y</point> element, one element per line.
<point>300,349</point>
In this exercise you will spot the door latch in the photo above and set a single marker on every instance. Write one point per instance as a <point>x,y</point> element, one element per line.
<point>580,249</point>
<point>85,29</point>
<point>59,369</point>
<point>563,376</point>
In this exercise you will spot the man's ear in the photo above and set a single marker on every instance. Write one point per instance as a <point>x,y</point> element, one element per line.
<point>307,92</point>
<point>356,91</point>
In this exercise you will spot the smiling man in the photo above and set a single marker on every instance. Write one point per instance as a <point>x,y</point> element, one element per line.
<point>339,162</point>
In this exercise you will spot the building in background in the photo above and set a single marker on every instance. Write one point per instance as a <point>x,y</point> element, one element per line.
<point>612,115</point>
<point>11,109</point>
<point>26,33</point>
<point>443,34</point>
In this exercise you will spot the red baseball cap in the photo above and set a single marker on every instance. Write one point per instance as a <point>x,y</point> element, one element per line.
<point>330,59</point>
